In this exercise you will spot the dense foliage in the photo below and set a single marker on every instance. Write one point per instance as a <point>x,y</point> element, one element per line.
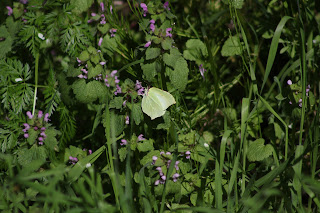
<point>232,127</point>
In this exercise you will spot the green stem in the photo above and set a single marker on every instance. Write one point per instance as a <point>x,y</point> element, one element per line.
<point>35,83</point>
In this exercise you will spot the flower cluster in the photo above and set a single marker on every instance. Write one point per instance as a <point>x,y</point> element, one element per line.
<point>140,89</point>
<point>167,161</point>
<point>37,125</point>
<point>125,142</point>
<point>152,25</point>
<point>73,160</point>
<point>289,82</point>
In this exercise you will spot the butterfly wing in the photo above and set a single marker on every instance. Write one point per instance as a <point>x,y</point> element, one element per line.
<point>163,98</point>
<point>155,102</point>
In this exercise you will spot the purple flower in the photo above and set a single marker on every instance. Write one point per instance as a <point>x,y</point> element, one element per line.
<point>175,177</point>
<point>113,73</point>
<point>168,34</point>
<point>159,169</point>
<point>43,134</point>
<point>35,128</point>
<point>168,153</point>
<point>188,153</point>
<point>102,6</point>
<point>290,102</point>
<point>46,117</point>
<point>30,116</point>
<point>90,151</point>
<point>40,114</point>
<point>9,10</point>
<point>157,182</point>
<point>111,9</point>
<point>127,120</point>
<point>103,19</point>
<point>166,6</point>
<point>123,142</point>
<point>78,60</point>
<point>162,153</point>
<point>116,80</point>
<point>40,138</point>
<point>26,135</point>
<point>147,44</point>
<point>26,126</point>
<point>40,143</point>
<point>43,129</point>
<point>102,63</point>
<point>145,8</point>
<point>163,177</point>
<point>289,82</point>
<point>138,85</point>
<point>24,1</point>
<point>202,70</point>
<point>93,14</point>
<point>176,165</point>
<point>141,91</point>
<point>154,158</point>
<point>152,26</point>
<point>80,76</point>
<point>141,138</point>
<point>112,31</point>
<point>124,103</point>
<point>100,42</point>
<point>118,90</point>
<point>300,102</point>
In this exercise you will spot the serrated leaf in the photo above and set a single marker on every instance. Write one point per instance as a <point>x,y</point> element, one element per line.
<point>148,158</point>
<point>26,156</point>
<point>116,103</point>
<point>257,151</point>
<point>167,43</point>
<point>152,53</point>
<point>195,50</point>
<point>179,76</point>
<point>146,145</point>
<point>51,141</point>
<point>94,71</point>
<point>81,5</point>
<point>231,47</point>
<point>6,44</point>
<point>122,153</point>
<point>33,135</point>
<point>137,113</point>
<point>172,58</point>
<point>150,70</point>
<point>84,56</point>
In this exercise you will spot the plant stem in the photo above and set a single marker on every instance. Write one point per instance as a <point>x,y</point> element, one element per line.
<point>35,84</point>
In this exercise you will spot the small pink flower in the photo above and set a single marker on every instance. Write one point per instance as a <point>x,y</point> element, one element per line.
<point>166,6</point>
<point>102,63</point>
<point>102,6</point>
<point>202,70</point>
<point>93,14</point>
<point>43,134</point>
<point>147,44</point>
<point>141,138</point>
<point>124,103</point>
<point>90,151</point>
<point>46,117</point>
<point>27,126</point>
<point>123,142</point>
<point>40,138</point>
<point>157,182</point>
<point>113,73</point>
<point>40,114</point>
<point>145,8</point>
<point>289,82</point>
<point>9,10</point>
<point>26,135</point>
<point>168,30</point>
<point>43,129</point>
<point>30,116</point>
<point>100,42</point>
<point>127,120</point>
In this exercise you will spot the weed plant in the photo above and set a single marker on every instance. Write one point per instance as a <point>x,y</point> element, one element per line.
<point>242,134</point>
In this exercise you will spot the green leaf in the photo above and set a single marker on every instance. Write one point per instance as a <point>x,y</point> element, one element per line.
<point>257,151</point>
<point>150,70</point>
<point>116,103</point>
<point>84,56</point>
<point>235,3</point>
<point>51,141</point>
<point>231,47</point>
<point>146,145</point>
<point>87,93</point>
<point>172,58</point>
<point>137,113</point>
<point>81,5</point>
<point>33,135</point>
<point>94,71</point>
<point>152,53</point>
<point>122,153</point>
<point>26,156</point>
<point>6,44</point>
<point>195,50</point>
<point>179,76</point>
<point>167,43</point>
